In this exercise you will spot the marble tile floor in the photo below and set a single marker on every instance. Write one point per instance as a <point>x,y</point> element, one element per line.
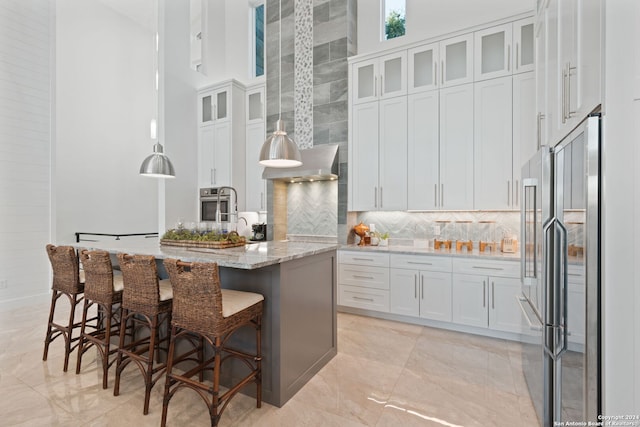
<point>385,374</point>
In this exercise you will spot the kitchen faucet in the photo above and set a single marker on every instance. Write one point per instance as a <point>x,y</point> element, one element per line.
<point>235,204</point>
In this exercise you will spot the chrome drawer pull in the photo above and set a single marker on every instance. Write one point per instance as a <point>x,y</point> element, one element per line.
<point>487,268</point>
<point>363,299</point>
<point>363,259</point>
<point>363,277</point>
<point>418,262</point>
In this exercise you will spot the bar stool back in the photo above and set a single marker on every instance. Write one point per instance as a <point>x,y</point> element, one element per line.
<point>104,289</point>
<point>146,303</point>
<point>201,307</point>
<point>67,282</point>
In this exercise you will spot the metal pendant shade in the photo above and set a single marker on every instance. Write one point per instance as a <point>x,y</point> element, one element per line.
<point>280,151</point>
<point>157,165</point>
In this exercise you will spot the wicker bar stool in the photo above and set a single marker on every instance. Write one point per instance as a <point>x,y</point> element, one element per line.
<point>146,304</point>
<point>104,289</point>
<point>67,281</point>
<point>200,307</point>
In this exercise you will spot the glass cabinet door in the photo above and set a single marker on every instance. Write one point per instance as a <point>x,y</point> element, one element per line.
<point>255,105</point>
<point>206,109</point>
<point>393,70</point>
<point>493,52</point>
<point>365,81</point>
<point>456,64</point>
<point>423,68</point>
<point>221,106</point>
<point>523,39</point>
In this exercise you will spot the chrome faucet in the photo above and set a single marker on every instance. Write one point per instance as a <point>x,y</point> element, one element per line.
<point>235,204</point>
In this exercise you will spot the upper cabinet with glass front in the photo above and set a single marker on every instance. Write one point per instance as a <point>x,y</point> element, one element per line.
<point>213,107</point>
<point>504,50</point>
<point>380,78</point>
<point>423,68</point>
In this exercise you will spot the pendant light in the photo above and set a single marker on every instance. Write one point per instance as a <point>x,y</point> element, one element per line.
<point>157,165</point>
<point>280,151</point>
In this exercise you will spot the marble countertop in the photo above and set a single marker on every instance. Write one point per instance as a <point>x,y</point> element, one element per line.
<point>248,257</point>
<point>417,250</point>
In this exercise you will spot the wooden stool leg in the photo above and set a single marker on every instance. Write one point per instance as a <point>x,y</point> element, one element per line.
<point>259,362</point>
<point>69,336</point>
<point>83,326</point>
<point>213,411</point>
<point>107,346</point>
<point>167,384</point>
<point>148,376</point>
<point>52,309</point>
<point>123,320</point>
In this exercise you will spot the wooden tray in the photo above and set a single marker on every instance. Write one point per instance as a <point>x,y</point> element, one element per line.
<point>199,244</point>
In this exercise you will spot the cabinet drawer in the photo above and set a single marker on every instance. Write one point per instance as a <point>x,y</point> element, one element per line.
<point>487,267</point>
<point>421,262</point>
<point>370,299</point>
<point>364,258</point>
<point>367,277</point>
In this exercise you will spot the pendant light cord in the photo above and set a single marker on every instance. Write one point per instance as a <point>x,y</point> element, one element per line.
<point>280,59</point>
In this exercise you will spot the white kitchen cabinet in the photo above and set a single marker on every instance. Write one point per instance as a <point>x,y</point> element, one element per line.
<point>379,161</point>
<point>524,126</point>
<point>256,187</point>
<point>573,67</point>
<point>379,78</point>
<point>493,144</point>
<point>456,148</point>
<point>423,150</point>
<point>541,60</point>
<point>363,280</point>
<point>221,137</point>
<point>523,40</point>
<point>420,286</point>
<point>456,60</point>
<point>484,294</point>
<point>423,68</point>
<point>493,52</point>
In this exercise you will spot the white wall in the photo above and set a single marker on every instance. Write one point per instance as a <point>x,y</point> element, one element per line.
<point>25,144</point>
<point>431,18</point>
<point>621,295</point>
<point>105,101</point>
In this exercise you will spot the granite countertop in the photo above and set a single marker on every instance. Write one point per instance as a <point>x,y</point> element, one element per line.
<point>248,257</point>
<point>418,250</point>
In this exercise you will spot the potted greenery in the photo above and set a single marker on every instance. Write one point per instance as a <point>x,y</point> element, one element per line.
<point>381,239</point>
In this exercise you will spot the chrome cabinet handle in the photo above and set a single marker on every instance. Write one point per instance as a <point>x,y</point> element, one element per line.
<point>508,193</point>
<point>363,277</point>
<point>363,259</point>
<point>375,86</point>
<point>435,73</point>
<point>569,69</point>
<point>517,187</point>
<point>564,95</point>
<point>442,73</point>
<point>484,293</point>
<point>493,295</point>
<point>540,118</point>
<point>441,195</point>
<point>382,86</point>
<point>418,262</point>
<point>415,286</point>
<point>363,299</point>
<point>261,200</point>
<point>509,58</point>
<point>380,197</point>
<point>422,287</point>
<point>517,56</point>
<point>375,197</point>
<point>435,195</point>
<point>479,267</point>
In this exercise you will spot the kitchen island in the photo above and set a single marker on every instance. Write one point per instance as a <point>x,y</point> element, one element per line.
<point>298,281</point>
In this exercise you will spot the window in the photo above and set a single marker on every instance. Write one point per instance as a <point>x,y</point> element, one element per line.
<point>257,40</point>
<point>394,18</point>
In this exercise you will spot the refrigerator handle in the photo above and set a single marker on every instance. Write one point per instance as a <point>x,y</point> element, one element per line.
<point>565,287</point>
<point>548,224</point>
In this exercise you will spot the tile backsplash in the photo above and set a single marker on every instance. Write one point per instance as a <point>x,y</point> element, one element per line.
<point>312,208</point>
<point>454,225</point>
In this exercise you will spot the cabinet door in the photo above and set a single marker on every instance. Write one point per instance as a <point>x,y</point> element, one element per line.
<point>435,296</point>
<point>222,105</point>
<point>456,148</point>
<point>205,108</point>
<point>392,194</point>
<point>523,41</point>
<point>255,106</point>
<point>588,79</point>
<point>364,160</point>
<point>404,292</point>
<point>542,120</point>
<point>493,52</point>
<point>365,81</point>
<point>524,127</point>
<point>553,116</point>
<point>492,144</point>
<point>504,311</point>
<point>393,75</point>
<point>423,68</point>
<point>222,154</point>
<point>205,156</point>
<point>256,186</point>
<point>456,63</point>
<point>470,300</point>
<point>423,152</point>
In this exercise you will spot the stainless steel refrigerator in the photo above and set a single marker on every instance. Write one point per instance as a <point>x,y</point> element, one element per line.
<point>560,297</point>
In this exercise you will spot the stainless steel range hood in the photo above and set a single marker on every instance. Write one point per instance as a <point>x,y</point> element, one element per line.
<point>319,163</point>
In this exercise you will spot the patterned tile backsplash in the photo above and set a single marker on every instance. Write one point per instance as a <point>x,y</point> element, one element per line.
<point>312,208</point>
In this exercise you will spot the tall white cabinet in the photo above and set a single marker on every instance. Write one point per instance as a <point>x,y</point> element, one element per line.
<point>458,115</point>
<point>221,137</point>
<point>256,187</point>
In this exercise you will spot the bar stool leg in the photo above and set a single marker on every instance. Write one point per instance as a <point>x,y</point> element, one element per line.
<point>47,340</point>
<point>85,310</point>
<point>213,410</point>
<point>123,326</point>
<point>168,381</point>
<point>74,301</point>
<point>259,362</point>
<point>148,376</point>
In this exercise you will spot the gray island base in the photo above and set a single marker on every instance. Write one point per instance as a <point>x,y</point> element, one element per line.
<point>298,281</point>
